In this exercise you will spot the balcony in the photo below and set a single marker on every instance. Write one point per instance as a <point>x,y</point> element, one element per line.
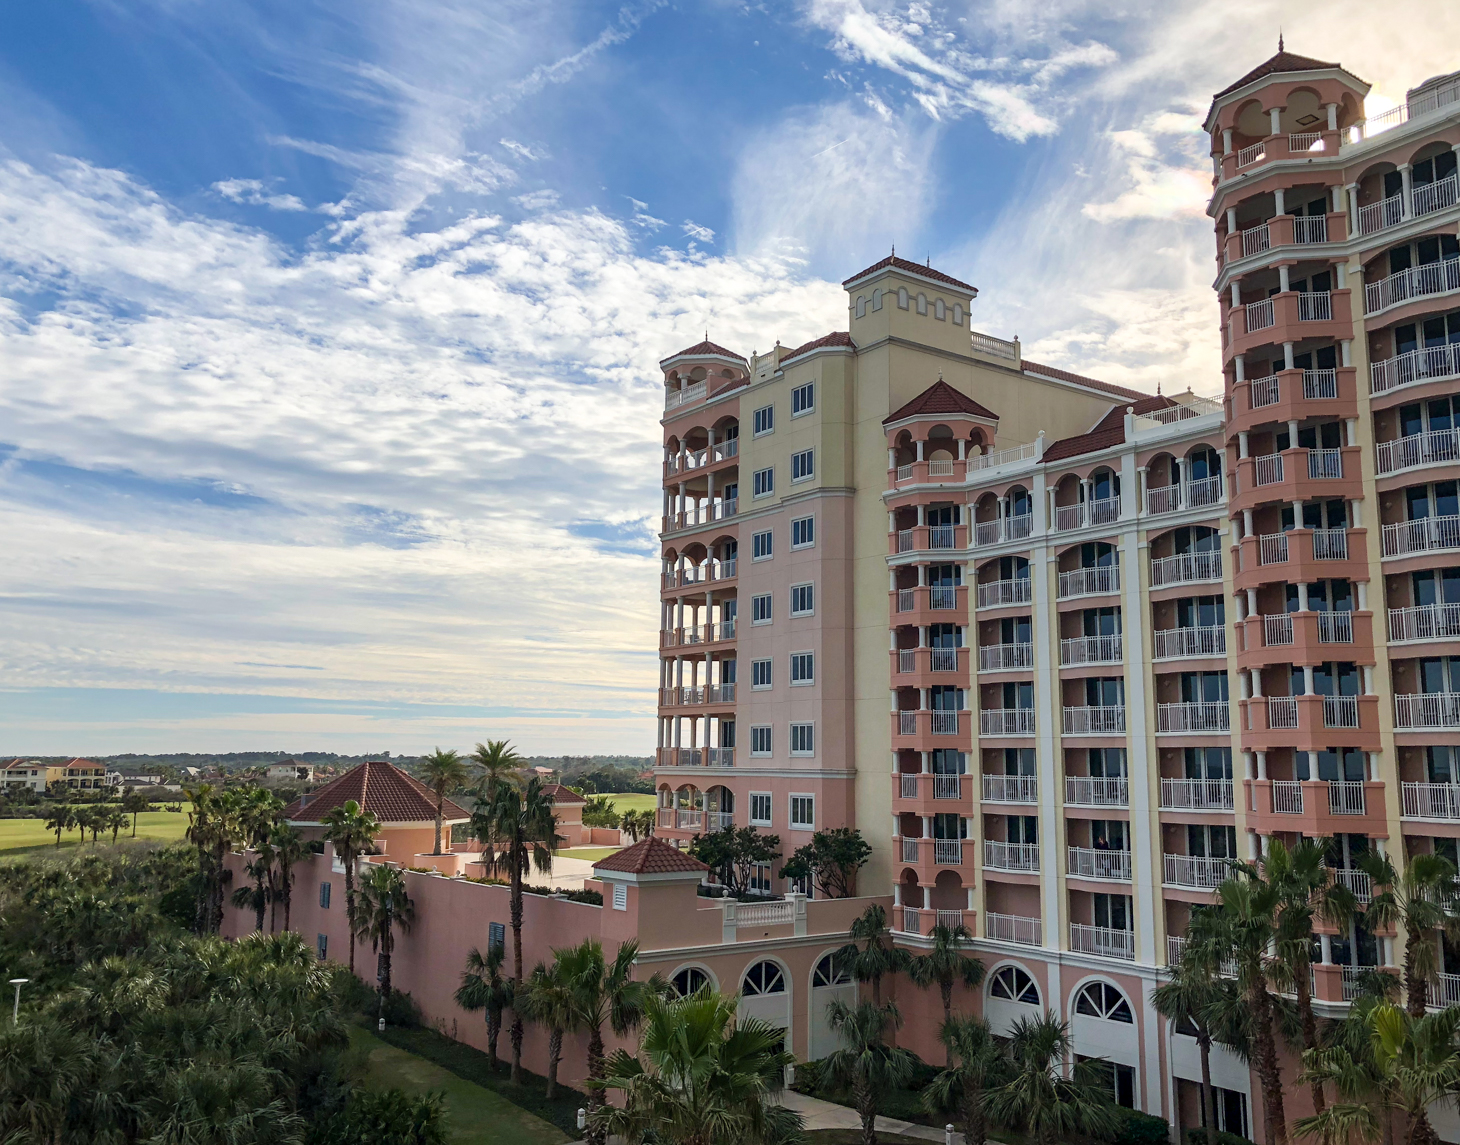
<point>1295,548</point>
<point>1102,941</point>
<point>698,458</point>
<point>1289,316</point>
<point>1106,866</point>
<point>1006,722</point>
<point>1186,568</point>
<point>1427,711</point>
<point>1000,856</point>
<point>690,393</point>
<point>681,818</point>
<point>1010,789</point>
<point>1431,364</point>
<point>1426,535</point>
<point>938,659</point>
<point>1196,717</point>
<point>1188,495</point>
<point>707,573</point>
<point>1013,928</point>
<point>1107,719</point>
<point>1426,281</point>
<point>695,757</point>
<point>1435,447</point>
<point>937,723</point>
<point>1187,643</point>
<point>1431,800</point>
<point>1358,884</point>
<point>700,694</point>
<point>1197,795</point>
<point>701,514</point>
<point>692,634</point>
<point>1097,791</point>
<point>1101,511</point>
<point>1005,657</point>
<point>719,820</point>
<point>998,593</point>
<point>1098,581</point>
<point>1014,528</point>
<point>927,537</point>
<point>924,472</point>
<point>1195,871</point>
<point>1091,650</point>
<point>921,785</point>
<point>916,921</point>
<point>1345,797</point>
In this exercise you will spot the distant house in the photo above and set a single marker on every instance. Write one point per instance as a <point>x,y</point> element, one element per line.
<point>568,806</point>
<point>405,807</point>
<point>77,775</point>
<point>289,771</point>
<point>125,778</point>
<point>23,774</point>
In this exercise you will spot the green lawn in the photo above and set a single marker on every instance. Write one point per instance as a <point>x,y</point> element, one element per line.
<point>31,834</point>
<point>592,854</point>
<point>623,801</point>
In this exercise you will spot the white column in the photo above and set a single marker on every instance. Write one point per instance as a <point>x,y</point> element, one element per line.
<point>1226,141</point>
<point>1276,114</point>
<point>1408,190</point>
<point>1283,278</point>
<point>1353,208</point>
<point>1277,198</point>
<point>1288,359</point>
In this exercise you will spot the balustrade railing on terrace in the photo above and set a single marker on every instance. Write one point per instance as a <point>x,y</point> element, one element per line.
<point>1282,712</point>
<point>1315,306</point>
<point>1097,791</point>
<point>1287,797</point>
<point>1330,544</point>
<point>1013,928</point>
<point>1430,197</point>
<point>1200,640</point>
<point>1277,630</point>
<point>1097,719</point>
<point>1193,406</point>
<point>1424,535</point>
<point>1310,228</point>
<point>1340,711</point>
<point>1416,282</point>
<point>1191,495</point>
<point>1100,511</point>
<point>1200,871</point>
<point>1194,717</point>
<point>1320,384</point>
<point>1443,992</point>
<point>1255,240</point>
<point>907,599</point>
<point>1335,627</point>
<point>908,785</point>
<point>1001,657</point>
<point>1011,528</point>
<point>1432,800</point>
<point>1026,452</point>
<point>1264,391</point>
<point>1091,650</point>
<point>1424,622</point>
<point>1259,315</point>
<point>910,850</point>
<point>1186,568</point>
<point>943,659</point>
<point>907,659</point>
<point>1197,794</point>
<point>689,393</point>
<point>1346,797</point>
<point>1089,581</point>
<point>1267,469</point>
<point>1163,499</point>
<point>1358,883</point>
<point>1010,856</point>
<point>1102,941</point>
<point>1432,363</point>
<point>1094,863</point>
<point>907,722</point>
<point>997,347</point>
<point>1429,448</point>
<point>1272,548</point>
<point>1420,710</point>
<point>994,593</point>
<point>943,596</point>
<point>1006,722</point>
<point>1010,788</point>
<point>1251,153</point>
<point>1385,213</point>
<point>945,723</point>
<point>1325,463</point>
<point>947,786</point>
<point>948,852</point>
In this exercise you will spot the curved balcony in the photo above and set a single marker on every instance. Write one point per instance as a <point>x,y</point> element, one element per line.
<point>1290,316</point>
<point>693,460</point>
<point>1316,808</point>
<point>924,793</point>
<point>1415,368</point>
<point>695,757</point>
<point>1192,643</point>
<point>1076,651</point>
<point>921,920</point>
<point>1010,789</point>
<point>1306,638</point>
<point>929,604</point>
<point>1298,475</point>
<point>1003,529</point>
<point>1417,451</point>
<point>698,636</point>
<point>1101,580</point>
<point>1103,866</point>
<point>1293,395</point>
<point>928,539</point>
<point>1184,495</point>
<point>1427,711</point>
<point>929,667</point>
<point>1020,857</point>
<point>1004,593</point>
<point>929,472</point>
<point>701,515</point>
<point>1417,283</point>
<point>697,577</point>
<point>1297,145</point>
<point>1424,623</point>
<point>1302,555</point>
<point>697,696</point>
<point>1310,722</point>
<point>1200,567</point>
<point>929,856</point>
<point>1284,231</point>
<point>1426,535</point>
<point>1083,514</point>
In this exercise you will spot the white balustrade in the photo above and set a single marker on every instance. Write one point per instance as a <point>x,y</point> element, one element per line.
<point>1277,630</point>
<point>945,723</point>
<point>1259,315</point>
<point>1267,469</point>
<point>1431,800</point>
<point>943,659</point>
<point>1330,544</point>
<point>1010,788</point>
<point>1310,228</point>
<point>1432,363</point>
<point>1251,154</point>
<point>906,599</point>
<point>907,659</point>
<point>1027,452</point>
<point>1091,650</point>
<point>1010,856</point>
<point>1424,710</point>
<point>1013,928</point>
<point>1340,711</point>
<point>1102,941</point>
<point>1186,568</point>
<point>908,784</point>
<point>947,786</point>
<point>1315,306</point>
<point>1427,534</point>
<point>1346,797</point>
<point>996,593</point>
<point>1197,794</point>
<point>1416,282</point>
<point>1094,863</point>
<point>1427,198</point>
<point>1163,499</point>
<point>1097,791</point>
<point>910,850</point>
<point>1098,719</point>
<point>943,596</point>
<point>1199,871</point>
<point>1424,622</point>
<point>1358,883</point>
<point>1433,447</point>
<point>1287,797</point>
<point>1325,463</point>
<point>1003,657</point>
<point>1320,384</point>
<point>1193,717</point>
<point>1264,391</point>
<point>1335,627</point>
<point>1282,712</point>
<point>1006,722</point>
<point>1255,240</point>
<point>948,852</point>
<point>1199,640</point>
<point>679,397</point>
<point>1095,581</point>
<point>1272,548</point>
<point>1385,213</point>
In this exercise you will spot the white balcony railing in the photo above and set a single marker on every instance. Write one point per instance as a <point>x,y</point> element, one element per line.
<point>1424,622</point>
<point>1267,469</point>
<point>1330,544</point>
<point>1092,863</point>
<point>1426,198</point>
<point>996,593</point>
<point>1003,657</point>
<point>1015,453</point>
<point>1310,228</point>
<point>1425,535</point>
<point>1282,712</point>
<point>1422,711</point>
<point>1358,883</point>
<point>1315,306</point>
<point>1251,154</point>
<point>1385,213</point>
<point>907,784</point>
<point>1200,640</point>
<point>948,852</point>
<point>907,660</point>
<point>1325,463</point>
<point>1013,928</point>
<point>1416,282</point>
<point>1441,95</point>
<point>943,659</point>
<point>947,786</point>
<point>1433,447</point>
<point>1013,528</point>
<point>1097,791</point>
<point>1320,384</point>
<point>945,723</point>
<point>1335,627</point>
<point>1197,794</point>
<point>1264,391</point>
<point>1272,548</point>
<point>1204,491</point>
<point>1433,363</point>
<point>1010,788</point>
<point>1098,719</point>
<point>1255,240</point>
<point>1432,800</point>
<point>1346,797</point>
<point>1102,941</point>
<point>1287,797</point>
<point>1100,511</point>
<point>1089,581</point>
<point>943,596</point>
<point>719,820</point>
<point>1010,856</point>
<point>1277,630</point>
<point>1199,871</point>
<point>1443,992</point>
<point>1186,568</point>
<point>910,850</point>
<point>1259,315</point>
<point>907,722</point>
<point>1006,722</point>
<point>1194,717</point>
<point>689,393</point>
<point>1091,650</point>
<point>1163,499</point>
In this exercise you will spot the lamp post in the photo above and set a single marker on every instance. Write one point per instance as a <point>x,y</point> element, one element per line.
<point>17,983</point>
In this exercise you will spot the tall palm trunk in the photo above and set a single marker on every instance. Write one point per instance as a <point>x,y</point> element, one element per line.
<point>595,1071</point>
<point>440,816</point>
<point>286,889</point>
<point>387,947</point>
<point>975,1121</point>
<point>220,852</point>
<point>259,901</point>
<point>866,1102</point>
<point>494,1031</point>
<point>945,988</point>
<point>1264,1061</point>
<point>1310,1026</point>
<point>515,858</point>
<point>1416,989</point>
<point>1208,1098</point>
<point>555,1055</point>
<point>350,904</point>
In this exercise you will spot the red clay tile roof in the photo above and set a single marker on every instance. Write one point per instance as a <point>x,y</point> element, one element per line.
<point>1116,416</point>
<point>1282,62</point>
<point>704,350</point>
<point>940,398</point>
<point>560,794</point>
<point>379,787</point>
<point>835,338</point>
<point>913,268</point>
<point>1108,431</point>
<point>649,856</point>
<point>1081,380</point>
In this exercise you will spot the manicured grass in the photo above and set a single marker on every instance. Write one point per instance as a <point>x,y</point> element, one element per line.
<point>590,853</point>
<point>31,834</point>
<point>474,1066</point>
<point>854,1137</point>
<point>476,1116</point>
<point>632,801</point>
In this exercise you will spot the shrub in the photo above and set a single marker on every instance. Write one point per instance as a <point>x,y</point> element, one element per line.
<point>400,1010</point>
<point>386,1117</point>
<point>1137,1128</point>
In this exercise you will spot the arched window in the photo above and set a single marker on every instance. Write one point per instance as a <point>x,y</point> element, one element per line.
<point>940,312</point>
<point>1102,1000</point>
<point>902,297</point>
<point>877,299</point>
<point>1014,985</point>
<point>922,303</point>
<point>957,314</point>
<point>688,980</point>
<point>830,971</point>
<point>763,978</point>
<point>861,306</point>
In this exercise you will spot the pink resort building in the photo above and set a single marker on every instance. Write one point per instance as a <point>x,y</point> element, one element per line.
<point>1056,648</point>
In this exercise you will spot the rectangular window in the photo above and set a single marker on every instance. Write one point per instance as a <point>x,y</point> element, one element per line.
<point>496,936</point>
<point>322,946</point>
<point>803,465</point>
<point>760,809</point>
<point>803,532</point>
<point>803,668</point>
<point>803,399</point>
<point>620,897</point>
<point>760,609</point>
<point>760,877</point>
<point>764,420</point>
<point>760,740</point>
<point>324,896</point>
<point>763,484</point>
<point>803,600</point>
<point>803,739</point>
<point>803,813</point>
<point>760,673</point>
<point>760,546</point>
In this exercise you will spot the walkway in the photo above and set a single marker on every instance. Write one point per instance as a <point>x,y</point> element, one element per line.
<point>821,1114</point>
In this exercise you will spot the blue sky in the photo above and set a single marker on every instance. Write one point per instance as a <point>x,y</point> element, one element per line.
<point>328,331</point>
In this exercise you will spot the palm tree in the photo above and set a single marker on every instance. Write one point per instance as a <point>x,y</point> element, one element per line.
<point>499,762</point>
<point>61,818</point>
<point>547,999</point>
<point>865,1064</point>
<point>254,896</point>
<point>603,994</point>
<point>82,819</point>
<point>945,966</point>
<point>383,905</point>
<point>352,830</point>
<point>1422,900</point>
<point>521,821</point>
<point>976,1064</point>
<point>1241,924</point>
<point>483,987</point>
<point>443,771</point>
<point>878,957</point>
<point>134,803</point>
<point>289,850</point>
<point>116,819</point>
<point>1190,998</point>
<point>1039,1098</point>
<point>701,1077</point>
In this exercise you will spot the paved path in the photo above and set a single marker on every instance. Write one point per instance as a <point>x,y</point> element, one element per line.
<point>821,1114</point>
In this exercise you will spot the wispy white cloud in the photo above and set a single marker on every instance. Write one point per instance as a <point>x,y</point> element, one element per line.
<point>254,192</point>
<point>698,233</point>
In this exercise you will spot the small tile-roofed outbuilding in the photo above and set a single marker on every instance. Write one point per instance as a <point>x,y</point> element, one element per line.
<point>381,788</point>
<point>650,856</point>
